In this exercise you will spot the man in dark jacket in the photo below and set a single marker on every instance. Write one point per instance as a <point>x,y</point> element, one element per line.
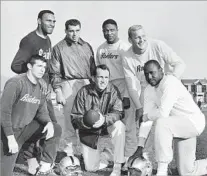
<point>106,98</point>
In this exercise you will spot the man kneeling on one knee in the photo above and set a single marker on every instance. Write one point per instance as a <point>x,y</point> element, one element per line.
<point>106,98</point>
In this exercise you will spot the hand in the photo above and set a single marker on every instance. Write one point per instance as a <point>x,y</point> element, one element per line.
<point>12,144</point>
<point>60,98</point>
<point>49,128</point>
<point>137,154</point>
<point>139,114</point>
<point>145,118</point>
<point>100,122</point>
<point>44,87</point>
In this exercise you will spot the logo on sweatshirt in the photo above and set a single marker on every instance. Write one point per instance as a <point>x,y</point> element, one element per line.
<point>30,99</point>
<point>109,56</point>
<point>140,68</point>
<point>45,54</point>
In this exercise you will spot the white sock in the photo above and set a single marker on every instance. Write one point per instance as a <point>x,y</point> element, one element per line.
<point>162,169</point>
<point>32,165</point>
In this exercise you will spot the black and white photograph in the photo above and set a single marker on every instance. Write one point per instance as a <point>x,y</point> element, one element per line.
<point>103,88</point>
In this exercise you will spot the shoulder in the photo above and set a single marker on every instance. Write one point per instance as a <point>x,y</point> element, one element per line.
<point>17,80</point>
<point>59,44</point>
<point>123,45</point>
<point>102,46</point>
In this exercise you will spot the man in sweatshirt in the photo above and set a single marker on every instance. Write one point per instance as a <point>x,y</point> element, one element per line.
<point>24,118</point>
<point>168,103</point>
<point>36,42</point>
<point>142,50</point>
<point>110,54</point>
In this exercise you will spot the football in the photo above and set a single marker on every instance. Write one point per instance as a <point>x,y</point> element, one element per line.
<point>91,117</point>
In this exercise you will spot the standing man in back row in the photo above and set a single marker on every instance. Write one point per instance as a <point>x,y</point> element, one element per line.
<point>141,51</point>
<point>109,53</point>
<point>36,42</point>
<point>72,65</point>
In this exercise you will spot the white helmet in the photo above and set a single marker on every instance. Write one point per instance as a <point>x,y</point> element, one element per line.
<point>140,167</point>
<point>70,166</point>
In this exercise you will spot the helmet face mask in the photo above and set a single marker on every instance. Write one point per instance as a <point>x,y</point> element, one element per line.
<point>70,166</point>
<point>140,167</point>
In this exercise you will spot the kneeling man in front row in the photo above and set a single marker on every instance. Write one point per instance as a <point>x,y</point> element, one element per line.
<point>105,98</point>
<point>25,118</point>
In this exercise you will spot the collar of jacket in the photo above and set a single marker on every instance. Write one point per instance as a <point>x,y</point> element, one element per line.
<point>69,42</point>
<point>93,90</point>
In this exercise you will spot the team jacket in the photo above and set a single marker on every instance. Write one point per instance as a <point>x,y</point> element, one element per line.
<point>109,104</point>
<point>21,102</point>
<point>71,61</point>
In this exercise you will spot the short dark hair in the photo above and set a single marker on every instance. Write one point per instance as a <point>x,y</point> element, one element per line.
<point>103,67</point>
<point>42,12</point>
<point>154,62</point>
<point>109,21</point>
<point>33,59</point>
<point>72,22</point>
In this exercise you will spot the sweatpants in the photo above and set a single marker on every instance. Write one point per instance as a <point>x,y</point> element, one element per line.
<point>92,156</point>
<point>70,89</point>
<point>32,150</point>
<point>178,127</point>
<point>129,119</point>
<point>30,133</point>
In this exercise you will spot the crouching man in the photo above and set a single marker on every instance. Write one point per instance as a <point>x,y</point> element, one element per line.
<point>25,118</point>
<point>106,98</point>
<point>170,105</point>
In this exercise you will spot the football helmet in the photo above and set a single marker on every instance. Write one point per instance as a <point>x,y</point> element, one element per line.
<point>70,166</point>
<point>140,167</point>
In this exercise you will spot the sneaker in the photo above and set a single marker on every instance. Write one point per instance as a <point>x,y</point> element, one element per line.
<point>116,170</point>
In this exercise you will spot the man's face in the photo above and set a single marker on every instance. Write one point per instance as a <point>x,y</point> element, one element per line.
<point>38,69</point>
<point>138,38</point>
<point>153,74</point>
<point>73,33</point>
<point>110,32</point>
<point>47,23</point>
<point>101,79</point>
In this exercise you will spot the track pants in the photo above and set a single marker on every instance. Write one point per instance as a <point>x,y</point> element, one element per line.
<point>129,119</point>
<point>178,127</point>
<point>30,133</point>
<point>70,89</point>
<point>92,156</point>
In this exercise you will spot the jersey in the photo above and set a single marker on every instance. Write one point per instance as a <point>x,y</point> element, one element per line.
<point>111,55</point>
<point>30,45</point>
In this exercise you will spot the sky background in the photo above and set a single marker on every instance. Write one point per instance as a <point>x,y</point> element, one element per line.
<point>182,25</point>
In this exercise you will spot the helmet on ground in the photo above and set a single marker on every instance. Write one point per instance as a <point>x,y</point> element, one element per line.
<point>140,167</point>
<point>70,166</point>
<point>91,117</point>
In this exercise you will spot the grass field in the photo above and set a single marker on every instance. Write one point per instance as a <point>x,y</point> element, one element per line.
<point>21,168</point>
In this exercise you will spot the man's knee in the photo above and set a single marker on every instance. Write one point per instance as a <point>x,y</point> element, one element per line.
<point>57,130</point>
<point>120,125</point>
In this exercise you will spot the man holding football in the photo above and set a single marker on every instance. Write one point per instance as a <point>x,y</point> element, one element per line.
<point>106,99</point>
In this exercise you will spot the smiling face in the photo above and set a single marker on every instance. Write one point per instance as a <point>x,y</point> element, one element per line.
<point>73,33</point>
<point>138,39</point>
<point>110,32</point>
<point>153,74</point>
<point>47,23</point>
<point>101,79</point>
